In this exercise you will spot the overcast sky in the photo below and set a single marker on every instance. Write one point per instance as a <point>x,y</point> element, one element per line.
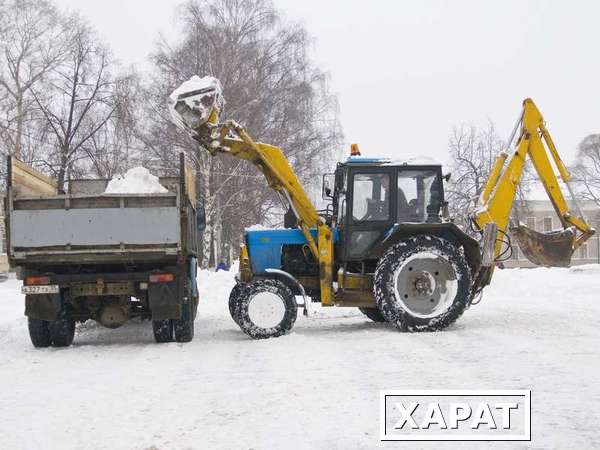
<point>407,71</point>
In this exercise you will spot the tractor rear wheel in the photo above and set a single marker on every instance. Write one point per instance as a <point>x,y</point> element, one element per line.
<point>373,313</point>
<point>265,309</point>
<point>422,283</point>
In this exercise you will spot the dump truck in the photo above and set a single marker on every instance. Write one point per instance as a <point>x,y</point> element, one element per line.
<point>385,244</point>
<point>86,254</point>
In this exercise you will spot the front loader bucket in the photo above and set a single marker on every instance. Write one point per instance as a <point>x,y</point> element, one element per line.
<point>552,249</point>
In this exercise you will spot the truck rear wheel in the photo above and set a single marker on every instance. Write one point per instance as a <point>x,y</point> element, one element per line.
<point>62,330</point>
<point>422,284</point>
<point>184,326</point>
<point>265,309</point>
<point>39,332</point>
<point>195,302</point>
<point>163,330</point>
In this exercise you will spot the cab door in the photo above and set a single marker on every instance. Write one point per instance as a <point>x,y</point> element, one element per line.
<point>370,210</point>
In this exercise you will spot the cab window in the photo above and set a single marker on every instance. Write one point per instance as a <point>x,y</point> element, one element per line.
<point>371,197</point>
<point>418,196</point>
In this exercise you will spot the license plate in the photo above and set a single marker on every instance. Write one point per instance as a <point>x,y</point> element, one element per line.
<point>48,289</point>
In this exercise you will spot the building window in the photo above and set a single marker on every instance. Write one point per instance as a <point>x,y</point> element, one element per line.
<point>583,251</point>
<point>531,223</point>
<point>547,223</point>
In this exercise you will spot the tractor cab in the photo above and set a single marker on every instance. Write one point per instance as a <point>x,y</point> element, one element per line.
<point>372,197</point>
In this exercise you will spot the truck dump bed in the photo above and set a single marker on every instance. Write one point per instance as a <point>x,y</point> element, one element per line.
<point>88,226</point>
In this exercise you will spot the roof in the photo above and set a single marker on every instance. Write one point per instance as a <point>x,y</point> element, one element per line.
<point>409,161</point>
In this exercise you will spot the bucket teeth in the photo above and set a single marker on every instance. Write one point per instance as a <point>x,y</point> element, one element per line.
<point>552,249</point>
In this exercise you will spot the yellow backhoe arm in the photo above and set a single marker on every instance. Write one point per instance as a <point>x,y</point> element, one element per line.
<point>497,198</point>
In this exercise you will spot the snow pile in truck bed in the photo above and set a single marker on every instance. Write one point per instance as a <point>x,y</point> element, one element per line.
<point>138,180</point>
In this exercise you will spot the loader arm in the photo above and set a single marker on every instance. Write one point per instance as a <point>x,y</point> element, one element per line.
<point>276,168</point>
<point>196,107</point>
<point>497,198</point>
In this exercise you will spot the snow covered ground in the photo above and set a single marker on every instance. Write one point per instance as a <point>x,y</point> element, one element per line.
<point>318,387</point>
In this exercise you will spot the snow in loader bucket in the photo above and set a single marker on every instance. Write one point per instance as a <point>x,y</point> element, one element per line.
<point>192,103</point>
<point>552,249</point>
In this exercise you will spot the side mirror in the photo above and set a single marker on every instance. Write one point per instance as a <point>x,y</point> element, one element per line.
<point>200,217</point>
<point>328,180</point>
<point>447,177</point>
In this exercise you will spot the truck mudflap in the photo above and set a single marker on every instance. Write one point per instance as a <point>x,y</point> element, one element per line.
<point>43,306</point>
<point>164,300</point>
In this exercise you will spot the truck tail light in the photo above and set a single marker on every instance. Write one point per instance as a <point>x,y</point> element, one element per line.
<point>161,277</point>
<point>32,281</point>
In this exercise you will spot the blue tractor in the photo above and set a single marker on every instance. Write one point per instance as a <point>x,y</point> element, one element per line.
<point>396,256</point>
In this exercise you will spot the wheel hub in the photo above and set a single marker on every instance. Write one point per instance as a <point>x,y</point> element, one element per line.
<point>423,283</point>
<point>426,285</point>
<point>266,310</point>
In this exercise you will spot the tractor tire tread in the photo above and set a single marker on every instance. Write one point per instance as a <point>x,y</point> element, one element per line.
<point>384,289</point>
<point>242,317</point>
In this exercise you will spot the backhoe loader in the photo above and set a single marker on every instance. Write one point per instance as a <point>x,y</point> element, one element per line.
<point>386,244</point>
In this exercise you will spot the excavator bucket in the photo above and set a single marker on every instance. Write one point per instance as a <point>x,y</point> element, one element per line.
<point>552,249</point>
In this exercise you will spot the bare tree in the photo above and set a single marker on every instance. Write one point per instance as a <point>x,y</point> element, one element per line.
<point>83,98</point>
<point>473,151</point>
<point>31,44</point>
<point>271,87</point>
<point>64,108</point>
<point>114,148</point>
<point>586,170</point>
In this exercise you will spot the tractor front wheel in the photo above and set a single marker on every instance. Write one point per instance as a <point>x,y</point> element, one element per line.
<point>422,283</point>
<point>265,309</point>
<point>233,299</point>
